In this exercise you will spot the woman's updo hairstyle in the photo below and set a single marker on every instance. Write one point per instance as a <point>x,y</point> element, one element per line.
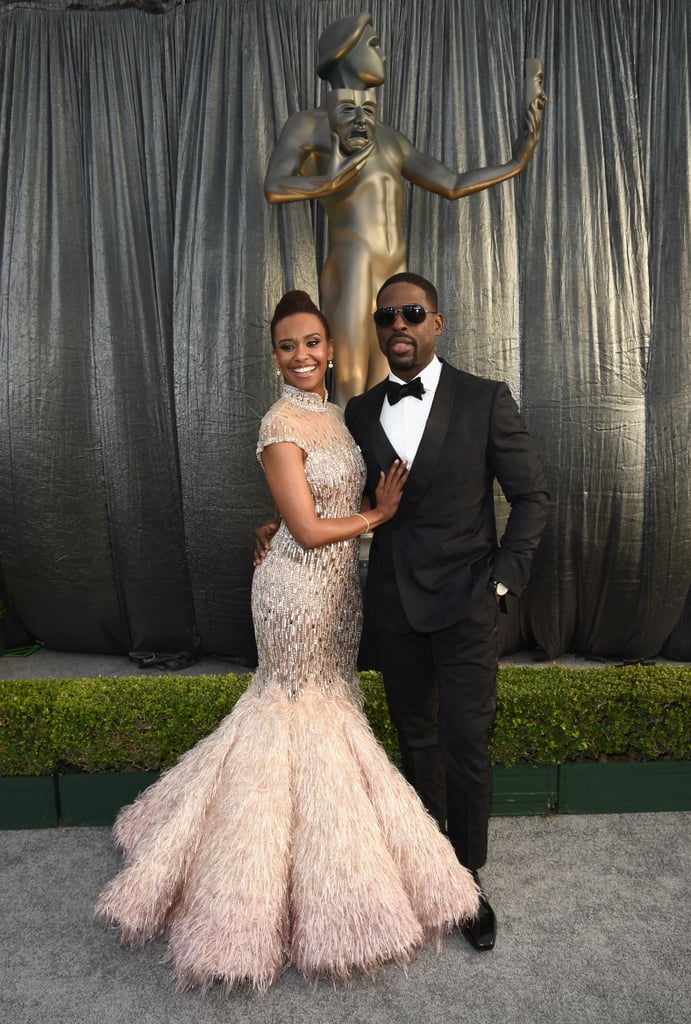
<point>297,302</point>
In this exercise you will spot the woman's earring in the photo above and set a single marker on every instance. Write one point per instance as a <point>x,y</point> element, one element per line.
<point>331,364</point>
<point>278,373</point>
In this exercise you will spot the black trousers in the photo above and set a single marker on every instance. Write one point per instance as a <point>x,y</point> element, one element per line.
<point>441,691</point>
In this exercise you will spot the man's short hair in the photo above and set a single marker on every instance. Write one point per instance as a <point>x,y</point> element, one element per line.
<point>409,278</point>
<point>338,39</point>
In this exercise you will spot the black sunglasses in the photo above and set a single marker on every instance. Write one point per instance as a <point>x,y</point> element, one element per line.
<point>413,313</point>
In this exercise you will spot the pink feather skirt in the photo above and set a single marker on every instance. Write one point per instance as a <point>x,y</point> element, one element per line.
<point>286,837</point>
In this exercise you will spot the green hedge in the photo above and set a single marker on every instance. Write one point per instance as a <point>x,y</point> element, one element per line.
<point>553,715</point>
<point>544,716</point>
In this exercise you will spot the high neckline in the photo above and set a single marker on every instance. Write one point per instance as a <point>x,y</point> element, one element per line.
<point>305,399</point>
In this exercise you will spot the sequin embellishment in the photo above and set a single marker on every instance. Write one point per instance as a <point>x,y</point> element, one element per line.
<point>306,605</point>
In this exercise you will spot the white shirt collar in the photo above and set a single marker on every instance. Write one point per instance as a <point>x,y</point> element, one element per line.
<point>429,376</point>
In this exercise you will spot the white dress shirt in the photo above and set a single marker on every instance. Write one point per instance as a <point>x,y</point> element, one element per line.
<point>404,423</point>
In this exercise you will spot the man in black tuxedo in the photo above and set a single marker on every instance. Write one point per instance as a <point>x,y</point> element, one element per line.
<point>437,571</point>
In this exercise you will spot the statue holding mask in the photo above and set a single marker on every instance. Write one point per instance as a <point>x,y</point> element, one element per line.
<point>355,165</point>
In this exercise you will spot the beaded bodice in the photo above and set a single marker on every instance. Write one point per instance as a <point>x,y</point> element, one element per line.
<point>306,603</point>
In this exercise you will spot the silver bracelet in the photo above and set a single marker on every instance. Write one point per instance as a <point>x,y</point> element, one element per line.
<point>365,521</point>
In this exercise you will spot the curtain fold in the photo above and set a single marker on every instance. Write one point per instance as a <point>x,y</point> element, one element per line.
<point>140,263</point>
<point>664,92</point>
<point>587,329</point>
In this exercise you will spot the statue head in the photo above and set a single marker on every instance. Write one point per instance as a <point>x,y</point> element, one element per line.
<point>349,55</point>
<point>353,116</point>
<point>534,80</point>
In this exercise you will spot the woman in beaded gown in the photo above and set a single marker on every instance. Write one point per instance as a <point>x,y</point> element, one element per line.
<point>287,837</point>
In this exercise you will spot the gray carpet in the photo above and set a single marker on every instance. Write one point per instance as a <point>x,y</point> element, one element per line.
<point>594,926</point>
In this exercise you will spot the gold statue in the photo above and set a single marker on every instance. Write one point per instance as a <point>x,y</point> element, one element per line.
<point>535,97</point>
<point>355,166</point>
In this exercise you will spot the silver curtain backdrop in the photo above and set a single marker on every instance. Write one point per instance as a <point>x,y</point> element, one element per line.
<point>140,264</point>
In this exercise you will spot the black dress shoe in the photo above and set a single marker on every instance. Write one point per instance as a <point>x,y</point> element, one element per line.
<point>482,930</point>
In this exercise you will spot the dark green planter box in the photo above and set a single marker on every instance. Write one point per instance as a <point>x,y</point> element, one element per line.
<point>96,799</point>
<point>27,802</point>
<point>614,787</point>
<point>619,787</point>
<point>524,789</point>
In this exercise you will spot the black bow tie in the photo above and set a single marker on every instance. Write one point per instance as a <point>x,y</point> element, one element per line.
<point>395,392</point>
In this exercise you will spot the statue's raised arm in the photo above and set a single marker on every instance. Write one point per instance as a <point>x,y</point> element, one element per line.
<point>430,174</point>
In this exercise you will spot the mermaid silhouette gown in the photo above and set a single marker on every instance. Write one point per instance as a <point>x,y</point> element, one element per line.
<point>287,837</point>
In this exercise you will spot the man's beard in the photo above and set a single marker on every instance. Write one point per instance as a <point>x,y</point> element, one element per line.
<point>402,362</point>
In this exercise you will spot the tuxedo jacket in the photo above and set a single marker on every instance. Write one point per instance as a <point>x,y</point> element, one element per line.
<point>433,561</point>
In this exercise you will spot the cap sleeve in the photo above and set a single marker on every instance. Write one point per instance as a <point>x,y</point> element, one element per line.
<point>276,427</point>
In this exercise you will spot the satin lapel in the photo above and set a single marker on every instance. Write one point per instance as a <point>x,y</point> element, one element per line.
<point>427,457</point>
<point>378,443</point>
